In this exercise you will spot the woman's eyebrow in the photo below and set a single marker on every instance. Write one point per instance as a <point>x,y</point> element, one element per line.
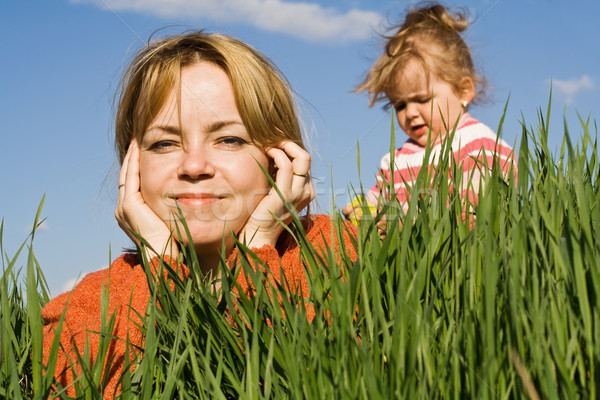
<point>165,128</point>
<point>212,127</point>
<point>215,126</point>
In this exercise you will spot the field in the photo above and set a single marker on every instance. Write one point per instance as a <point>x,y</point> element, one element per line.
<point>501,305</point>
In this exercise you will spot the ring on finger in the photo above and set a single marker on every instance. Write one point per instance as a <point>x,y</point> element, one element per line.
<point>121,185</point>
<point>301,175</point>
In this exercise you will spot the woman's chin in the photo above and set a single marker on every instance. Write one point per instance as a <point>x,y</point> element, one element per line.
<point>208,236</point>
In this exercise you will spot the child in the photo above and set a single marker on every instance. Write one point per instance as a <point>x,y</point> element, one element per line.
<point>427,75</point>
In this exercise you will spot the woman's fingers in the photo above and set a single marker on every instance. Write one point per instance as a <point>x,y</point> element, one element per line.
<point>132,173</point>
<point>129,182</point>
<point>123,175</point>
<point>284,174</point>
<point>295,189</point>
<point>300,160</point>
<point>293,172</point>
<point>135,217</point>
<point>130,165</point>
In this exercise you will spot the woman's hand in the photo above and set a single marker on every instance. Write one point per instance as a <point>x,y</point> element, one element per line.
<point>133,214</point>
<point>295,185</point>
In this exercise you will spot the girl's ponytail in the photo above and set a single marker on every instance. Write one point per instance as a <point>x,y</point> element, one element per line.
<point>429,34</point>
<point>436,16</point>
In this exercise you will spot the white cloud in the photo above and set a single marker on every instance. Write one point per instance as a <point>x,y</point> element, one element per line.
<point>569,88</point>
<point>43,227</point>
<point>307,21</point>
<point>69,284</point>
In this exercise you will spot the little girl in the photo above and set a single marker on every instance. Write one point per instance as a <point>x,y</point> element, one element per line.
<point>427,75</point>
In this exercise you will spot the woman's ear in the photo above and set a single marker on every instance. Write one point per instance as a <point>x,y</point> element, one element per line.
<point>466,89</point>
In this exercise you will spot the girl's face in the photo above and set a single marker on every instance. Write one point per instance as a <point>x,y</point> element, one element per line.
<point>412,96</point>
<point>200,156</point>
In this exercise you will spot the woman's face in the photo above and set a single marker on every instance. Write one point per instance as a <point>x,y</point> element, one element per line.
<point>199,156</point>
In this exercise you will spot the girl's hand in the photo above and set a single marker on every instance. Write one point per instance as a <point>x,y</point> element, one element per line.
<point>133,214</point>
<point>382,227</point>
<point>355,214</point>
<point>354,211</point>
<point>294,182</point>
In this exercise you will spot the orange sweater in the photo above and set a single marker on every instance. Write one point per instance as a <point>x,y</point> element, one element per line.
<point>128,286</point>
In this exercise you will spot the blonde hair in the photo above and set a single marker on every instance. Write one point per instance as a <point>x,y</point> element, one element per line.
<point>430,36</point>
<point>262,94</point>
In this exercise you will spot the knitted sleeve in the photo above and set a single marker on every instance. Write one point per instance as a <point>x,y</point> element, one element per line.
<point>288,264</point>
<point>126,291</point>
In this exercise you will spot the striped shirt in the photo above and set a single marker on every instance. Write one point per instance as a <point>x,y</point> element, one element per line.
<point>474,147</point>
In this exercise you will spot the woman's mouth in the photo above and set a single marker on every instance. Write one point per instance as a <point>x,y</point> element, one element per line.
<point>195,199</point>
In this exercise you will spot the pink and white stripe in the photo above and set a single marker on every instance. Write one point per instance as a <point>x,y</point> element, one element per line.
<point>474,147</point>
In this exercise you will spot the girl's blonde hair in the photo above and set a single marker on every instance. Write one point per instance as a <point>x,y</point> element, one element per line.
<point>429,35</point>
<point>262,94</point>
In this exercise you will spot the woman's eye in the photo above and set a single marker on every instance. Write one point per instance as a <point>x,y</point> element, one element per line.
<point>162,145</point>
<point>424,100</point>
<point>399,106</point>
<point>233,141</point>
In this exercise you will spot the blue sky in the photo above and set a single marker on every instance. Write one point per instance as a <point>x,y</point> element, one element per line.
<point>61,62</point>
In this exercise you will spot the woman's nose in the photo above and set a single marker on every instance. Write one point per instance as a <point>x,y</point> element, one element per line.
<point>196,163</point>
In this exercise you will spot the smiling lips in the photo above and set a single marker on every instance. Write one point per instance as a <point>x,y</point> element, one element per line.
<point>196,199</point>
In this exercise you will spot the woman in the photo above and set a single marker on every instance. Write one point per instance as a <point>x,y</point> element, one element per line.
<point>200,119</point>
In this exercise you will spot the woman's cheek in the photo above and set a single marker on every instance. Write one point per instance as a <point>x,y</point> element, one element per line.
<point>152,184</point>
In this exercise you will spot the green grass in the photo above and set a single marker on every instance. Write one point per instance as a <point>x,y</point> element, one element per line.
<point>508,309</point>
